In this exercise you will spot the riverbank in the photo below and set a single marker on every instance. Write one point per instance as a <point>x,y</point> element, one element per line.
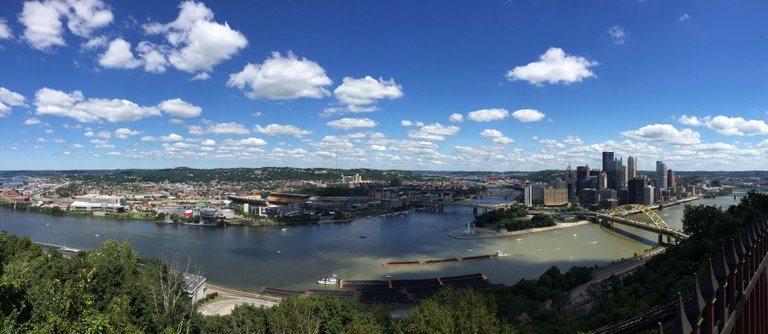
<point>481,233</point>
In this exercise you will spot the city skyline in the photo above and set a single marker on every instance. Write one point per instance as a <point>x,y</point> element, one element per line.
<point>499,86</point>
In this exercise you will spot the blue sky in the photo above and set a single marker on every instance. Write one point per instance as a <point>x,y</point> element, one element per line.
<point>448,85</point>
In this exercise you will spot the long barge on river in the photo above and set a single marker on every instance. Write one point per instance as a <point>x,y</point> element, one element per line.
<point>454,259</point>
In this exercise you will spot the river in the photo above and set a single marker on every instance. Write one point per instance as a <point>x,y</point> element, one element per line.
<point>248,258</point>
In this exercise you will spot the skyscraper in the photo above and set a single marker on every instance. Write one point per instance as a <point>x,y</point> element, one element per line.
<point>661,175</point>
<point>671,178</point>
<point>609,169</point>
<point>631,168</point>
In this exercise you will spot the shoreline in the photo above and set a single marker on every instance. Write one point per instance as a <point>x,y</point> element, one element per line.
<point>486,233</point>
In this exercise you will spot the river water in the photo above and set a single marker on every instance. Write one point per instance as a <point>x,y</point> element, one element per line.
<point>248,257</point>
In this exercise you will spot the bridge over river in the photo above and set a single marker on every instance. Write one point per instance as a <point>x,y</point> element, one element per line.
<point>656,224</point>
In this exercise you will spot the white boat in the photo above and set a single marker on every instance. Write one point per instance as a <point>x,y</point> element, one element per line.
<point>283,229</point>
<point>499,253</point>
<point>332,280</point>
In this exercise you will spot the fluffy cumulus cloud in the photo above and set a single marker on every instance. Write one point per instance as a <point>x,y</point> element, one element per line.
<point>5,31</point>
<point>366,90</point>
<point>434,132</point>
<point>31,121</point>
<point>352,123</point>
<point>227,128</point>
<point>169,138</point>
<point>554,67</point>
<point>180,108</point>
<point>125,133</point>
<point>74,105</point>
<point>119,55</point>
<point>528,115</point>
<point>728,126</point>
<point>456,118</point>
<point>664,133</point>
<point>572,140</point>
<point>496,136</point>
<point>43,20</point>
<point>282,78</point>
<point>281,130</point>
<point>487,115</point>
<point>9,99</point>
<point>618,34</point>
<point>196,42</point>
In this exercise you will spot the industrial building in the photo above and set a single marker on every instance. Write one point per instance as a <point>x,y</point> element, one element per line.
<point>96,202</point>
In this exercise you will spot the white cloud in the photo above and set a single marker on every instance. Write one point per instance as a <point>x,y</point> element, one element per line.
<point>153,57</point>
<point>198,43</point>
<point>5,31</point>
<point>95,42</point>
<point>487,115</point>
<point>228,128</point>
<point>492,133</point>
<point>434,131</point>
<point>43,20</point>
<point>201,76</point>
<point>208,142</point>
<point>685,17</point>
<point>125,133</point>
<point>42,25</point>
<point>350,108</point>
<point>406,123</point>
<point>9,99</point>
<point>728,126</point>
<point>618,34</point>
<point>528,115</point>
<point>378,148</point>
<point>352,123</point>
<point>763,144</point>
<point>282,78</point>
<point>573,140</point>
<point>119,55</point>
<point>104,134</point>
<point>366,90</point>
<point>180,108</point>
<point>278,130</point>
<point>497,136</point>
<point>75,105</point>
<point>456,118</point>
<point>169,138</point>
<point>664,133</point>
<point>246,142</point>
<point>31,121</point>
<point>690,120</point>
<point>554,67</point>
<point>84,16</point>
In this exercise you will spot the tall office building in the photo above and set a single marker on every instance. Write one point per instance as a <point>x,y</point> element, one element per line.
<point>635,191</point>
<point>609,167</point>
<point>570,181</point>
<point>661,175</point>
<point>528,196</point>
<point>671,178</point>
<point>621,182</point>
<point>631,168</point>
<point>617,178</point>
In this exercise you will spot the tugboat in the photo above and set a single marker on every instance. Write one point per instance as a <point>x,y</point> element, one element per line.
<point>332,280</point>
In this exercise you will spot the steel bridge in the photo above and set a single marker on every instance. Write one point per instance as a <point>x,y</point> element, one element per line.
<point>657,224</point>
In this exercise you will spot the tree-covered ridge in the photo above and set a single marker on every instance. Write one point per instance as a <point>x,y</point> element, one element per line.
<point>103,291</point>
<point>184,174</point>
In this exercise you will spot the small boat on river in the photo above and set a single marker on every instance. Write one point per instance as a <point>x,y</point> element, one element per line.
<point>332,280</point>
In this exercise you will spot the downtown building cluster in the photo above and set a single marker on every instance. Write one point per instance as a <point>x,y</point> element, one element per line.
<point>615,184</point>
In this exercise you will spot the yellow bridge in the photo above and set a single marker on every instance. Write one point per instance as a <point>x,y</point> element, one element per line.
<point>657,224</point>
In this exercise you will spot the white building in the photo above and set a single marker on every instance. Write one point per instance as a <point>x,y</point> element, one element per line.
<point>528,196</point>
<point>96,202</point>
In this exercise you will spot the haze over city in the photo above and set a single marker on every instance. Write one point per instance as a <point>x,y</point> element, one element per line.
<point>492,85</point>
